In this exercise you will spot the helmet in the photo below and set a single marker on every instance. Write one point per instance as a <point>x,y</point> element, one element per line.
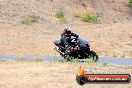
<point>67,30</point>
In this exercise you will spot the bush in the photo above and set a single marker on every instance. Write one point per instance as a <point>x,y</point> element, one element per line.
<point>130,2</point>
<point>61,16</point>
<point>115,55</point>
<point>105,64</point>
<point>29,60</point>
<point>22,59</point>
<point>63,20</point>
<point>38,60</point>
<point>77,15</point>
<point>29,19</point>
<point>73,60</point>
<point>89,17</point>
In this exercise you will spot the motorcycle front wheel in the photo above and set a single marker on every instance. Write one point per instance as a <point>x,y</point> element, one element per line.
<point>67,57</point>
<point>93,55</point>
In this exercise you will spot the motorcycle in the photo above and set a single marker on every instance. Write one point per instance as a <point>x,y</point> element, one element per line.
<point>79,48</point>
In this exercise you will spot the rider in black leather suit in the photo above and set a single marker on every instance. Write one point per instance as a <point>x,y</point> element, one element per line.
<point>65,39</point>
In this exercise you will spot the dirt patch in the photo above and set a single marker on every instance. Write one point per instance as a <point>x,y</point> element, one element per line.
<point>111,36</point>
<point>53,74</point>
<point>105,40</point>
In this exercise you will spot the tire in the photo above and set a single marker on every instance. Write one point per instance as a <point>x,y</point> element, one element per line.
<point>94,56</point>
<point>81,80</point>
<point>67,57</point>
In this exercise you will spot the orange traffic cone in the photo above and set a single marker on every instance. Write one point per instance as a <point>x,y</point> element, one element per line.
<point>81,71</point>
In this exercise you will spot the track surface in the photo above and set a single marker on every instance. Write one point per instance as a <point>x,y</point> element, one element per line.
<point>109,60</point>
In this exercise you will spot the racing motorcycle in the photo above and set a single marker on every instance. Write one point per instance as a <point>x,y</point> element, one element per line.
<point>79,48</point>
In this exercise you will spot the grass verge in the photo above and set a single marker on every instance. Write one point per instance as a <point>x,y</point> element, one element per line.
<point>61,15</point>
<point>28,19</point>
<point>130,2</point>
<point>90,17</point>
<point>29,60</point>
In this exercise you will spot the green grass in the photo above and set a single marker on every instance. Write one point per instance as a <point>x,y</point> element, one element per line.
<point>29,60</point>
<point>91,61</point>
<point>123,56</point>
<point>61,15</point>
<point>74,60</point>
<point>28,19</point>
<point>119,56</point>
<point>115,55</point>
<point>62,61</point>
<point>105,64</point>
<point>90,17</point>
<point>77,15</point>
<point>22,59</point>
<point>130,2</point>
<point>37,60</point>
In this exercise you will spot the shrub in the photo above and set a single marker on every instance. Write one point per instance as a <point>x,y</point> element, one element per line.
<point>61,16</point>
<point>115,55</point>
<point>72,59</point>
<point>105,64</point>
<point>29,60</point>
<point>89,17</point>
<point>25,20</point>
<point>78,15</point>
<point>22,59</point>
<point>63,20</point>
<point>34,17</point>
<point>123,56</point>
<point>29,19</point>
<point>38,60</point>
<point>130,2</point>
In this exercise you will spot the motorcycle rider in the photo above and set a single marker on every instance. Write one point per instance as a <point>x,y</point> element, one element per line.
<point>65,39</point>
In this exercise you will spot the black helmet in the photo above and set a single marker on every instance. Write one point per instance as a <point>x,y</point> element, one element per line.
<point>67,30</point>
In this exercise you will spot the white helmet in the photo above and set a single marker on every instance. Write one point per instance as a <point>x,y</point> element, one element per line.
<point>67,30</point>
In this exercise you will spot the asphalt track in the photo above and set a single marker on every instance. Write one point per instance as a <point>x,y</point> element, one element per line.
<point>108,60</point>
